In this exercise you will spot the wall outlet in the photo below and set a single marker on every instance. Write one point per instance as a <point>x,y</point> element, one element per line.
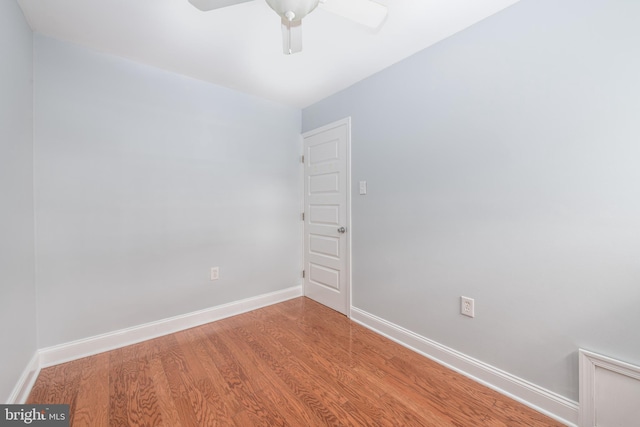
<point>467,306</point>
<point>215,273</point>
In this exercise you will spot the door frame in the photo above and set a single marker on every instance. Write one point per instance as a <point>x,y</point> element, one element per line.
<point>345,121</point>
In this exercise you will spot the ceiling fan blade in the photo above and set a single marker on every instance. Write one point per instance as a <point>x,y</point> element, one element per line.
<point>291,36</point>
<point>206,5</point>
<point>365,12</point>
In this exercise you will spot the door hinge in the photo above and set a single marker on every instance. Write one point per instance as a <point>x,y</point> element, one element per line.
<point>303,216</point>
<point>302,159</point>
<point>303,274</point>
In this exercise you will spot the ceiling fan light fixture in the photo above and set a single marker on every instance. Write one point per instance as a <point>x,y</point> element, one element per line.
<point>293,10</point>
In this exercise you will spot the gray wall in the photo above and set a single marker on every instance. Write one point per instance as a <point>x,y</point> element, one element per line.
<point>146,179</point>
<point>17,288</point>
<point>504,164</point>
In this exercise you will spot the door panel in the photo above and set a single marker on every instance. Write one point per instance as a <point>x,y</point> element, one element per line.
<point>327,218</point>
<point>323,245</point>
<point>328,183</point>
<point>324,276</point>
<point>324,215</point>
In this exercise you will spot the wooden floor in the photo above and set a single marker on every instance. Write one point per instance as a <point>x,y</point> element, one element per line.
<point>292,364</point>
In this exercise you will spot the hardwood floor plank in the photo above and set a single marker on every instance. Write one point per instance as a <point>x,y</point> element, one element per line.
<point>142,401</point>
<point>206,377</point>
<point>118,402</point>
<point>296,363</point>
<point>58,385</point>
<point>237,381</point>
<point>373,373</point>
<point>190,401</point>
<point>367,396</point>
<point>270,388</point>
<point>166,406</point>
<point>92,404</point>
<point>308,388</point>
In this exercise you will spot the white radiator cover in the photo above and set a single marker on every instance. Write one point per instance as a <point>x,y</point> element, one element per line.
<point>609,392</point>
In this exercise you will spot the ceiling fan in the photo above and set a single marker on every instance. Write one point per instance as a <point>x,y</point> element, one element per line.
<point>291,12</point>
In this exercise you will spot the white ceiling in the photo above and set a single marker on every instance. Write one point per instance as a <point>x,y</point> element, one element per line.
<point>240,46</point>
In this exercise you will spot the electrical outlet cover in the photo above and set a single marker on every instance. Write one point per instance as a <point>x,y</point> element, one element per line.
<point>467,306</point>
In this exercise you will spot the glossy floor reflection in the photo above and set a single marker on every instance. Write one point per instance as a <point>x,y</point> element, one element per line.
<point>296,363</point>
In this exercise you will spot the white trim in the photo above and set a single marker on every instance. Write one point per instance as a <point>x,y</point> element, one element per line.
<point>100,343</point>
<point>349,222</point>
<point>588,362</point>
<point>28,378</point>
<point>549,403</point>
<point>334,124</point>
<point>302,221</point>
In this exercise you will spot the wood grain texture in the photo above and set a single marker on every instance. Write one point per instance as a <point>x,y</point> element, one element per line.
<point>296,363</point>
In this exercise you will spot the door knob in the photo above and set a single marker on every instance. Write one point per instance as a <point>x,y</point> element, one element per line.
<point>342,230</point>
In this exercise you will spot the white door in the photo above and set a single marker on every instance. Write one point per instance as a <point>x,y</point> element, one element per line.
<point>326,215</point>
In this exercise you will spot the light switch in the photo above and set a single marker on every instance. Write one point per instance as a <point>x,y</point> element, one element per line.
<point>363,187</point>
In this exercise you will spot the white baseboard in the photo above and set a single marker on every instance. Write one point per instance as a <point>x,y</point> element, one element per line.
<point>23,387</point>
<point>549,403</point>
<point>98,344</point>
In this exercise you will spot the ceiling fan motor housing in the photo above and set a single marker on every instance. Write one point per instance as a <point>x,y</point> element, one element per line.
<point>293,10</point>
